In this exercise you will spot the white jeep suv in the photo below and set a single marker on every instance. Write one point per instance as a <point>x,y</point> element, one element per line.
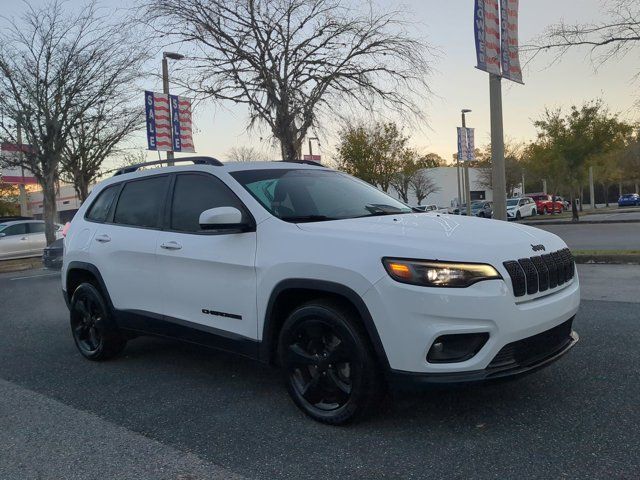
<point>310,269</point>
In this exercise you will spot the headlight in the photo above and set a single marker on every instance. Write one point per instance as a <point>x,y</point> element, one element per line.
<point>438,274</point>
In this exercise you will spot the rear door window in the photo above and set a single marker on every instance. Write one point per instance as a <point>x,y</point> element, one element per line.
<point>141,202</point>
<point>100,208</point>
<point>35,227</point>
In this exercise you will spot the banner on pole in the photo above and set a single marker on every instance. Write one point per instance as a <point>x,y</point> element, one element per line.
<point>471,144</point>
<point>487,33</point>
<point>158,121</point>
<point>462,144</point>
<point>466,144</point>
<point>181,124</point>
<point>510,56</point>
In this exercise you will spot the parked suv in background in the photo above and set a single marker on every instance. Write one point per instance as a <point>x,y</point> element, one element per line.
<point>546,204</point>
<point>346,289</point>
<point>521,207</point>
<point>22,238</point>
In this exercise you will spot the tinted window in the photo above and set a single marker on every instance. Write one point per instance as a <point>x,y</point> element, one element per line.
<point>36,227</point>
<point>100,209</point>
<point>193,194</point>
<point>313,195</point>
<point>140,202</point>
<point>16,229</point>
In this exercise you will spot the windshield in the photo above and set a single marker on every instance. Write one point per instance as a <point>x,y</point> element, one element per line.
<point>316,195</point>
<point>512,203</point>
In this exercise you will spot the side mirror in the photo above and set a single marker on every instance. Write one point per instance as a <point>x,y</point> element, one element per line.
<point>2,234</point>
<point>223,218</point>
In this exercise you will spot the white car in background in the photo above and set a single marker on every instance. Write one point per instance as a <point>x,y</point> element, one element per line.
<point>22,238</point>
<point>521,207</point>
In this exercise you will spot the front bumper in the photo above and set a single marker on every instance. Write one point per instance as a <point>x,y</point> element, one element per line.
<point>400,380</point>
<point>410,318</point>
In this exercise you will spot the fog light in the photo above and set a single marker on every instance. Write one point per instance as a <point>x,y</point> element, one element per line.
<point>456,347</point>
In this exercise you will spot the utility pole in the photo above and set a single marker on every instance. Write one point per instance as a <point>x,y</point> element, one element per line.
<point>523,189</point>
<point>458,177</point>
<point>467,189</point>
<point>592,196</point>
<point>544,186</point>
<point>165,89</point>
<point>21,186</point>
<point>497,149</point>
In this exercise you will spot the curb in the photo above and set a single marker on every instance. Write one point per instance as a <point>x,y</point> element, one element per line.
<point>608,259</point>
<point>581,222</point>
<point>20,264</point>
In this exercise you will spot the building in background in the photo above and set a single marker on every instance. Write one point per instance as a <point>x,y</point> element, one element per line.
<point>446,178</point>
<point>67,203</point>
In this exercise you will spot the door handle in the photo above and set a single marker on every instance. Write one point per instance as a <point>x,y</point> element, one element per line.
<point>103,238</point>
<point>171,246</point>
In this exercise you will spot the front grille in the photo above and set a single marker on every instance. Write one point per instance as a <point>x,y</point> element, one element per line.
<point>540,273</point>
<point>533,349</point>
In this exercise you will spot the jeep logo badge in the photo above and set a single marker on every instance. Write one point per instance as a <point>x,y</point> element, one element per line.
<point>537,248</point>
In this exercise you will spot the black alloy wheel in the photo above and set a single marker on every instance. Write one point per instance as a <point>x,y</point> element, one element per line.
<point>518,216</point>
<point>329,367</point>
<point>93,330</point>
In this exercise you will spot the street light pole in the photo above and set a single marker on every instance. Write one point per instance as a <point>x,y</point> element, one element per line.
<point>165,89</point>
<point>466,168</point>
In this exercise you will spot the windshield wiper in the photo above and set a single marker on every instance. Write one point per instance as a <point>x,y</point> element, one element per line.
<point>307,218</point>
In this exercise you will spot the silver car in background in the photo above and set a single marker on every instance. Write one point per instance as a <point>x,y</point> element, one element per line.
<point>23,238</point>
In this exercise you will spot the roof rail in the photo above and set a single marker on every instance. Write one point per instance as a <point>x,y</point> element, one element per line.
<point>304,162</point>
<point>195,160</point>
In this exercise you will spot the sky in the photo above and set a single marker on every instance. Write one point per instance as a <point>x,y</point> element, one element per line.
<point>455,83</point>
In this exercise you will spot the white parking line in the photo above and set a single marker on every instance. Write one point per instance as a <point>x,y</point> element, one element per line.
<point>36,276</point>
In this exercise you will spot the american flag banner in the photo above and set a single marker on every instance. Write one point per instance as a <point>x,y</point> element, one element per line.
<point>509,27</point>
<point>158,121</point>
<point>181,124</point>
<point>487,32</point>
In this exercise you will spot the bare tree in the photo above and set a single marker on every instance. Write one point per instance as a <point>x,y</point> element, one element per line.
<point>97,136</point>
<point>612,38</point>
<point>246,154</point>
<point>422,185</point>
<point>55,67</point>
<point>291,60</point>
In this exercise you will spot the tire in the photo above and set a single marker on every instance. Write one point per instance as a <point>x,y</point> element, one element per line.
<point>481,214</point>
<point>94,332</point>
<point>328,363</point>
<point>518,216</point>
<point>534,212</point>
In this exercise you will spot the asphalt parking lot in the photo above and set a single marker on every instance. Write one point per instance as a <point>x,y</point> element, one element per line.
<point>167,410</point>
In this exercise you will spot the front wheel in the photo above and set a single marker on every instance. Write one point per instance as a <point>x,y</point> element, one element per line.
<point>518,216</point>
<point>329,366</point>
<point>93,329</point>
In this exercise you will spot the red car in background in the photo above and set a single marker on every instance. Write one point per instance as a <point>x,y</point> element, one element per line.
<point>546,204</point>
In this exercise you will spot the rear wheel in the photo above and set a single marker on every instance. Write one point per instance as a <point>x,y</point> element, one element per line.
<point>330,370</point>
<point>93,329</point>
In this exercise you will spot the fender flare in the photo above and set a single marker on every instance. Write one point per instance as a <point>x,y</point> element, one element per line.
<point>93,270</point>
<point>270,324</point>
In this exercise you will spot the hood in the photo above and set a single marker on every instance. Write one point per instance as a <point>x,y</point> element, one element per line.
<point>441,236</point>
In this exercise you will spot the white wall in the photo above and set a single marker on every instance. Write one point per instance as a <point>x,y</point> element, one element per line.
<point>446,179</point>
